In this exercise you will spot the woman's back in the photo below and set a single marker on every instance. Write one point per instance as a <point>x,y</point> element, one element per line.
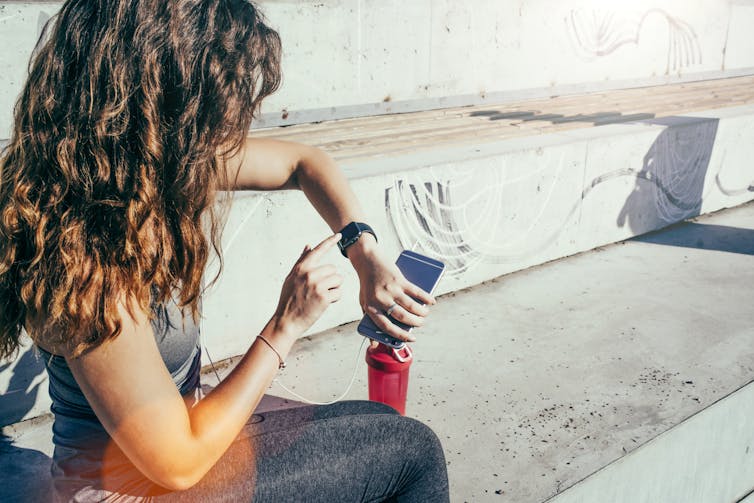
<point>134,116</point>
<point>79,437</point>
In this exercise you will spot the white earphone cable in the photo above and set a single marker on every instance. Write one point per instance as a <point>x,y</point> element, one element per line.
<point>341,397</point>
<point>299,397</point>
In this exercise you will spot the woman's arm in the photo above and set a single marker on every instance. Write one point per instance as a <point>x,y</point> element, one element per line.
<point>266,164</point>
<point>133,395</point>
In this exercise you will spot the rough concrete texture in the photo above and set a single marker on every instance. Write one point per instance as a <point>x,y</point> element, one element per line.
<point>486,209</point>
<point>537,379</point>
<point>25,456</point>
<point>508,206</point>
<point>360,57</point>
<point>705,459</point>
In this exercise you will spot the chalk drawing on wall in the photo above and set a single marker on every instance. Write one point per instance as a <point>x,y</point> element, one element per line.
<point>467,216</point>
<point>422,216</point>
<point>599,33</point>
<point>732,192</point>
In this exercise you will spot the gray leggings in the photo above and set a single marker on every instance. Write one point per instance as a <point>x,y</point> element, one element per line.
<point>349,451</point>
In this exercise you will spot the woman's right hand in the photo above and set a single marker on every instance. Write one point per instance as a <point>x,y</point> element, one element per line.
<point>308,290</point>
<point>130,390</point>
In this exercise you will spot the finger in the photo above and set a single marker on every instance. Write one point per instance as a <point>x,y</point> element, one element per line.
<point>383,300</point>
<point>384,324</point>
<point>400,314</point>
<point>410,305</point>
<point>333,294</point>
<point>419,294</point>
<point>322,248</point>
<point>330,282</point>
<point>321,272</point>
<point>304,252</point>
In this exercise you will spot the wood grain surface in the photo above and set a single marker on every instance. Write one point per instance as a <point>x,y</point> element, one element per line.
<point>367,137</point>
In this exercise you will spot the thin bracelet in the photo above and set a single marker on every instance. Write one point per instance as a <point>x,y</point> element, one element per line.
<point>281,362</point>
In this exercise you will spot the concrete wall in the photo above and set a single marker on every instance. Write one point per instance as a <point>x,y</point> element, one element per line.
<point>488,49</point>
<point>360,57</point>
<point>485,210</point>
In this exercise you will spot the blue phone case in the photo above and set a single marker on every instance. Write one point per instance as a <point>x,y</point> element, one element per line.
<point>422,271</point>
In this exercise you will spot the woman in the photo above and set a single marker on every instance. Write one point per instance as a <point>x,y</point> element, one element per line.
<point>134,116</point>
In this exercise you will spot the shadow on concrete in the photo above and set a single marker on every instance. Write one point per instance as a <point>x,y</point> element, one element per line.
<point>25,472</point>
<point>704,237</point>
<point>669,185</point>
<point>21,394</point>
<point>596,119</point>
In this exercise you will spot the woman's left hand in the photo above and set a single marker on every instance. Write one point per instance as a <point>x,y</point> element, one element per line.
<point>264,164</point>
<point>384,289</point>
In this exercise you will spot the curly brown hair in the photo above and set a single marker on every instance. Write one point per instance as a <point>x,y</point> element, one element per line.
<point>108,183</point>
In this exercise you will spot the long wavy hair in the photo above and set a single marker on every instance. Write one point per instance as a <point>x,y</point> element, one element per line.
<point>108,183</point>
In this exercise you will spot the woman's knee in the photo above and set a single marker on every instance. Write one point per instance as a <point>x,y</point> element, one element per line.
<point>426,440</point>
<point>423,462</point>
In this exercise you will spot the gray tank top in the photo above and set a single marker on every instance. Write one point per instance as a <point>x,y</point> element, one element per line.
<point>80,439</point>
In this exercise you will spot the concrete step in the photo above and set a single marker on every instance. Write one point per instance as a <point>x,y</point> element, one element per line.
<point>479,194</point>
<point>491,189</point>
<point>495,190</point>
<point>623,372</point>
<point>620,374</point>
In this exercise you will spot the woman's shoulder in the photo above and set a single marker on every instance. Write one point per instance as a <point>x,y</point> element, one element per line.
<point>69,342</point>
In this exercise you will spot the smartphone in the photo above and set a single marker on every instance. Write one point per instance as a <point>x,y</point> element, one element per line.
<point>423,272</point>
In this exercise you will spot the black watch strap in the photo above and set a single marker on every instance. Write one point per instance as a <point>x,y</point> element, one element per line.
<point>351,233</point>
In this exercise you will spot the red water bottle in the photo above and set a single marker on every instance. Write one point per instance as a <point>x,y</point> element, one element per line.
<point>388,375</point>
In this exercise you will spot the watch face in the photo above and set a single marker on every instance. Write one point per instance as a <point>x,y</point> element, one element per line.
<point>350,234</point>
<point>350,231</point>
<point>351,241</point>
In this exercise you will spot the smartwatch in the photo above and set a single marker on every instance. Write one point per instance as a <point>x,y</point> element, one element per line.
<point>351,233</point>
